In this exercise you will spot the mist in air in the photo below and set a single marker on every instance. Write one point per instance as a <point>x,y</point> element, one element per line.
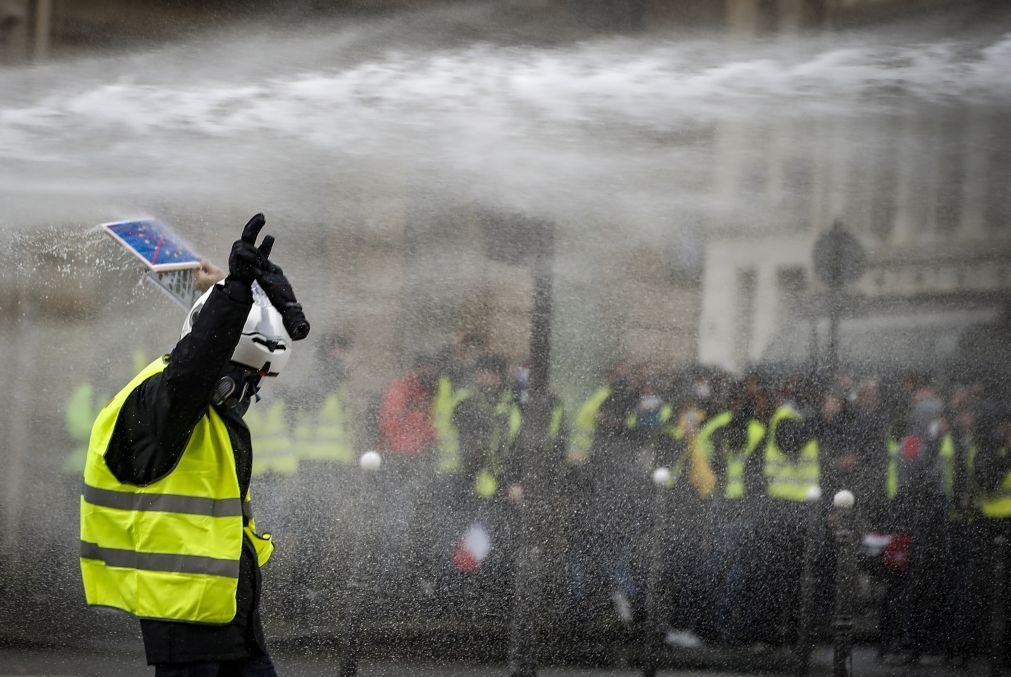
<point>397,156</point>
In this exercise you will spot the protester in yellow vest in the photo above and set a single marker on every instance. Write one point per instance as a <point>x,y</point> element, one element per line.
<point>167,531</point>
<point>991,470</point>
<point>791,470</point>
<point>323,429</point>
<point>791,457</point>
<point>79,414</point>
<point>488,422</point>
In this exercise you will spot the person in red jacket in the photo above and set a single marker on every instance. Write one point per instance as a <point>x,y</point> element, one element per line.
<point>405,412</point>
<point>406,439</point>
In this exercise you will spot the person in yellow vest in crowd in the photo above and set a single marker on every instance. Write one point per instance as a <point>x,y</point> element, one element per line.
<point>683,527</point>
<point>790,466</point>
<point>452,387</point>
<point>167,530</point>
<point>966,537</point>
<point>730,442</point>
<point>439,506</point>
<point>545,473</point>
<point>579,489</point>
<point>534,477</point>
<point>269,430</point>
<point>81,409</point>
<point>309,432</point>
<point>488,422</point>
<point>618,502</point>
<point>79,413</point>
<point>992,473</point>
<point>324,437</point>
<point>584,426</point>
<point>484,426</point>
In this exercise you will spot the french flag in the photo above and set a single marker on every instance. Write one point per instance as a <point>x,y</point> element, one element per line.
<point>472,548</point>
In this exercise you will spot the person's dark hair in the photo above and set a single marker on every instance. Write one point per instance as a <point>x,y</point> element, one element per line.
<point>492,362</point>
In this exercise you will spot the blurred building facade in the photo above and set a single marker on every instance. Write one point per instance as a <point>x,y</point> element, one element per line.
<point>927,192</point>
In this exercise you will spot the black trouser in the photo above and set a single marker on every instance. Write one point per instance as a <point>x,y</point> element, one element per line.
<point>260,666</point>
<point>927,583</point>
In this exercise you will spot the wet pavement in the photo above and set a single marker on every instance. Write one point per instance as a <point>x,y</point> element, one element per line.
<point>55,662</point>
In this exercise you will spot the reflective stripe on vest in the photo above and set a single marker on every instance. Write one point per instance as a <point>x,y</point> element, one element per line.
<point>736,460</point>
<point>892,476</point>
<point>947,453</point>
<point>584,426</point>
<point>324,435</point>
<point>168,550</point>
<point>790,480</point>
<point>272,446</point>
<point>704,438</point>
<point>447,437</point>
<point>555,427</point>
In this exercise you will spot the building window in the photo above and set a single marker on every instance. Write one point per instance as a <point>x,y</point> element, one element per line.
<point>950,144</point>
<point>791,283</point>
<point>998,178</point>
<point>745,315</point>
<point>885,188</point>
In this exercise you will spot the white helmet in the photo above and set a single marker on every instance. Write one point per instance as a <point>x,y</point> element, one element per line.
<point>264,344</point>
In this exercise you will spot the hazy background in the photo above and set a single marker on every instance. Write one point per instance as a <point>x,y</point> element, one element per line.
<point>686,155</point>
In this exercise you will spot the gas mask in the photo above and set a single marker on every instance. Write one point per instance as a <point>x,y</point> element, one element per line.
<point>236,388</point>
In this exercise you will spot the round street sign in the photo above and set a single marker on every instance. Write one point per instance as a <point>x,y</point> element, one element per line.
<point>839,258</point>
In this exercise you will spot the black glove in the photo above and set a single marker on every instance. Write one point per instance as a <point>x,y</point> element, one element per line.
<point>277,288</point>
<point>246,262</point>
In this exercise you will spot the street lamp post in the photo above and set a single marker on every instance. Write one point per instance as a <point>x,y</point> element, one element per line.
<point>656,600</point>
<point>361,554</point>
<point>524,631</point>
<point>839,260</point>
<point>845,538</point>
<point>998,593</point>
<point>811,531</point>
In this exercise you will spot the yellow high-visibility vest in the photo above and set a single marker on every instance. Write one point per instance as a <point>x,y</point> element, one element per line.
<point>447,437</point>
<point>168,550</point>
<point>704,438</point>
<point>892,472</point>
<point>694,460</point>
<point>790,480</point>
<point>79,415</point>
<point>736,460</point>
<point>996,504</point>
<point>584,425</point>
<point>273,450</point>
<point>325,434</point>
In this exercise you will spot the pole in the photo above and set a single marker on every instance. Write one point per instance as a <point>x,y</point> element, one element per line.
<point>833,330</point>
<point>43,27</point>
<point>805,614</point>
<point>997,622</point>
<point>19,435</point>
<point>361,555</point>
<point>531,513</point>
<point>813,347</point>
<point>655,598</point>
<point>845,540</point>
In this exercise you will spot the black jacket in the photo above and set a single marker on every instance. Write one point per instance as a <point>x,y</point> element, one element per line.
<point>151,434</point>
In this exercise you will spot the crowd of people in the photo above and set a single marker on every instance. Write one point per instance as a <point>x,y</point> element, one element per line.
<point>745,460</point>
<point>719,534</point>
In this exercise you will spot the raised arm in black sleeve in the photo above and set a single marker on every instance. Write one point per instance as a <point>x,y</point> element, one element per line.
<point>159,415</point>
